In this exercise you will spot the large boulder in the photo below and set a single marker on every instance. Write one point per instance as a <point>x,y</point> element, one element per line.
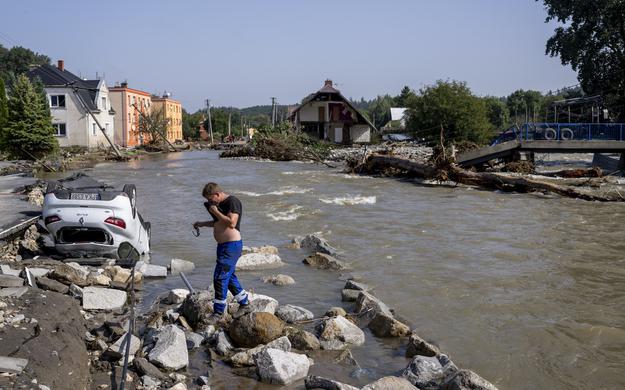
<point>366,302</point>
<point>68,274</point>
<point>385,326</point>
<point>319,382</point>
<point>429,372</point>
<point>467,380</point>
<point>150,270</point>
<point>339,333</point>
<point>349,295</point>
<point>292,313</point>
<point>265,249</point>
<point>302,340</point>
<point>252,261</point>
<point>170,351</point>
<point>98,298</point>
<point>253,329</point>
<point>279,280</point>
<point>314,243</point>
<point>390,383</point>
<point>418,346</point>
<point>257,306</point>
<point>177,266</point>
<point>246,358</point>
<point>223,344</point>
<point>197,308</point>
<point>324,261</point>
<point>10,281</point>
<point>279,367</point>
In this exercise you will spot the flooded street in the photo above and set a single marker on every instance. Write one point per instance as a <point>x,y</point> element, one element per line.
<point>527,291</point>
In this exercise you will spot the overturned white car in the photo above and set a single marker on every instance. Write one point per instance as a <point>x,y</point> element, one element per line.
<point>86,219</point>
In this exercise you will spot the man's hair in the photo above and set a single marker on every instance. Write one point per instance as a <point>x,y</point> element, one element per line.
<point>211,188</point>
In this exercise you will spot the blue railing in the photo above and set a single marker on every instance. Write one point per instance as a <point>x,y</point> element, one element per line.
<point>563,132</point>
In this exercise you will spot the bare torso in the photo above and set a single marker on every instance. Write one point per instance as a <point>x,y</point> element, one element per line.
<point>223,233</point>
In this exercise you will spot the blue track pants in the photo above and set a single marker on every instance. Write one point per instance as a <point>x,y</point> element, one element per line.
<point>224,279</point>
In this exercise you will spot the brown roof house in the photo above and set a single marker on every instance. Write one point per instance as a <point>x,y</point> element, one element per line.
<point>326,114</point>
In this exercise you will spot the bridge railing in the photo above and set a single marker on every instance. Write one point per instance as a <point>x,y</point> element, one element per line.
<point>563,132</point>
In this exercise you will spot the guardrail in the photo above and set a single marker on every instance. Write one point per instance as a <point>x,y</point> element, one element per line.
<point>563,132</point>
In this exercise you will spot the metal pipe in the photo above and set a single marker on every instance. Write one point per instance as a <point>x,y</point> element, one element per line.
<point>186,281</point>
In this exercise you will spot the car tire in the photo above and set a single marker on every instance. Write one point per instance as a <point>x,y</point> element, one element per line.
<point>148,231</point>
<point>131,191</point>
<point>53,185</point>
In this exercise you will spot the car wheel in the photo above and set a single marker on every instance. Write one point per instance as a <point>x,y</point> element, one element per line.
<point>53,185</point>
<point>131,191</point>
<point>148,230</point>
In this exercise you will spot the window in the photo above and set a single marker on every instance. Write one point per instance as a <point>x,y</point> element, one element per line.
<point>93,128</point>
<point>57,101</point>
<point>61,130</point>
<point>103,103</point>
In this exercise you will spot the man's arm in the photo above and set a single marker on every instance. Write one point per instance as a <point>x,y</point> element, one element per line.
<point>198,224</point>
<point>230,220</point>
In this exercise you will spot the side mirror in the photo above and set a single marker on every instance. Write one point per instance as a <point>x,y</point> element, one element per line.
<point>127,253</point>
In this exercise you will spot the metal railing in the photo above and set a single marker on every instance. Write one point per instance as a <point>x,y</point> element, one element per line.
<point>563,132</point>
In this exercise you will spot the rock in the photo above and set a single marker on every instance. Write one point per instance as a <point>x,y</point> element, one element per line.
<point>14,292</point>
<point>314,243</point>
<point>349,295</point>
<point>98,279</point>
<point>177,295</point>
<point>292,314</point>
<point>255,328</point>
<point>335,311</point>
<point>12,365</point>
<point>246,358</point>
<point>208,332</point>
<point>144,367</point>
<point>319,382</point>
<point>279,280</point>
<point>428,372</point>
<point>366,301</point>
<point>353,285</point>
<point>257,306</point>
<point>98,298</point>
<point>177,266</point>
<point>324,261</point>
<point>150,383</point>
<point>279,367</point>
<point>67,274</point>
<point>339,333</point>
<point>178,386</point>
<point>390,383</point>
<point>202,380</point>
<point>39,272</point>
<point>302,340</point>
<point>52,285</point>
<point>197,308</point>
<point>122,275</point>
<point>385,326</point>
<point>223,345</point>
<point>75,291</point>
<point>418,346</point>
<point>265,249</point>
<point>170,351</point>
<point>118,349</point>
<point>194,340</point>
<point>467,380</point>
<point>11,281</point>
<point>7,270</point>
<point>252,261</point>
<point>150,270</point>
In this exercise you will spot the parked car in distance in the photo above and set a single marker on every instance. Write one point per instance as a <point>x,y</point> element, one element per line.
<point>88,219</point>
<point>397,138</point>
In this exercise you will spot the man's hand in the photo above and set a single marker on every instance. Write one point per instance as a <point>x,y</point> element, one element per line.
<point>197,224</point>
<point>213,209</point>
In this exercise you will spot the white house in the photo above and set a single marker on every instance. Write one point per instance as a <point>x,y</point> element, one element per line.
<point>74,103</point>
<point>326,114</point>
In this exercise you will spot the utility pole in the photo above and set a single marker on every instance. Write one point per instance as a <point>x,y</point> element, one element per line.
<point>241,118</point>
<point>229,122</point>
<point>273,112</point>
<point>210,122</point>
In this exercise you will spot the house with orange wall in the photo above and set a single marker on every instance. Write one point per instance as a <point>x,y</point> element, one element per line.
<point>172,110</point>
<point>129,104</point>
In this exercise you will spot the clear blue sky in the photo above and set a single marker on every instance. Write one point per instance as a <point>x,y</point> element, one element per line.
<point>240,53</point>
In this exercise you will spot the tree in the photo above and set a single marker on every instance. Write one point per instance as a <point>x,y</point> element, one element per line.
<point>28,132</point>
<point>380,110</point>
<point>591,40</point>
<point>523,105</point>
<point>154,125</point>
<point>4,109</point>
<point>191,124</point>
<point>405,94</point>
<point>18,60</point>
<point>452,106</point>
<point>497,111</point>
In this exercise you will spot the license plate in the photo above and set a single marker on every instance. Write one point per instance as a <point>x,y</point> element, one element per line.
<point>84,196</point>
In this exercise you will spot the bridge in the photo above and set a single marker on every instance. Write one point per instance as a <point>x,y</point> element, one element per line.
<point>550,138</point>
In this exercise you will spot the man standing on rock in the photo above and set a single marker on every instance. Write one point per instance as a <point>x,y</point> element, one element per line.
<point>226,211</point>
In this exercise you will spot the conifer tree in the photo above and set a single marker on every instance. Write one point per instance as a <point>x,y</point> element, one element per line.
<point>28,132</point>
<point>3,105</point>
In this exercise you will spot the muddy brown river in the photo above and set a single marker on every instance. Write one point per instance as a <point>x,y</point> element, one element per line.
<point>528,291</point>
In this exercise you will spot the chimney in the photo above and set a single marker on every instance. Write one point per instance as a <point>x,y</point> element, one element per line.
<point>125,84</point>
<point>328,83</point>
<point>61,65</point>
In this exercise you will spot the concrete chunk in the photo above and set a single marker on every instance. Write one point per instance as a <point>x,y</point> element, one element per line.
<point>97,298</point>
<point>12,365</point>
<point>11,281</point>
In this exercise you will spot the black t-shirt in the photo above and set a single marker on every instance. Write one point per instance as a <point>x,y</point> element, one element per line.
<point>231,204</point>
